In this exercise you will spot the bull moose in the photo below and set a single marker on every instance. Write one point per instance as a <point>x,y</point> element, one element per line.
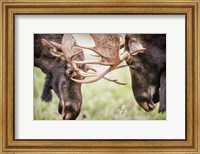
<point>58,73</point>
<point>62,60</point>
<point>148,69</point>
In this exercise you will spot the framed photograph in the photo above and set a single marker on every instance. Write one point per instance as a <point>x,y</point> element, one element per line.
<point>99,76</point>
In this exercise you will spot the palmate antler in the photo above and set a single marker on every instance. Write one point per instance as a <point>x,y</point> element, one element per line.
<point>69,51</point>
<point>107,46</point>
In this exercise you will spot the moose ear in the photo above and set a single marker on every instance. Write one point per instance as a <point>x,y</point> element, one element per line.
<point>46,94</point>
<point>42,58</point>
<point>162,107</point>
<point>44,63</point>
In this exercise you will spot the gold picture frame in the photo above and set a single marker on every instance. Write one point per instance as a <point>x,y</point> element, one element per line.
<point>9,8</point>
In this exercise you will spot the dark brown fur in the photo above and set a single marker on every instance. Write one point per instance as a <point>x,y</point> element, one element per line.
<point>57,79</point>
<point>148,69</point>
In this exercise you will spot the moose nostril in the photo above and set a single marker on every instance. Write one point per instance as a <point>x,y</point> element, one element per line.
<point>68,116</point>
<point>152,106</point>
<point>63,116</point>
<point>70,111</point>
<point>69,108</point>
<point>67,111</point>
<point>150,109</point>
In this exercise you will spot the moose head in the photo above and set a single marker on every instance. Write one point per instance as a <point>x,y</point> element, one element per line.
<point>61,60</point>
<point>148,69</point>
<point>59,72</point>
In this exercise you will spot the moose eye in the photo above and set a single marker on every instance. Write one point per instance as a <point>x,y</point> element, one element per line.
<point>70,73</point>
<point>133,40</point>
<point>135,66</point>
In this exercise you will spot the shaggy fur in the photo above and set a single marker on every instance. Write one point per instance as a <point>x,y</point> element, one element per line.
<point>148,69</point>
<point>68,91</point>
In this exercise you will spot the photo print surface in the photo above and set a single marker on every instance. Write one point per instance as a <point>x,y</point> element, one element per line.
<point>99,76</point>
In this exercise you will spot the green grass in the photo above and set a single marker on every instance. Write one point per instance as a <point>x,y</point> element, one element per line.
<point>43,110</point>
<point>102,100</point>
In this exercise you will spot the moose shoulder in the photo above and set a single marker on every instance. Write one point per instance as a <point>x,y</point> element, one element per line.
<point>58,74</point>
<point>148,69</point>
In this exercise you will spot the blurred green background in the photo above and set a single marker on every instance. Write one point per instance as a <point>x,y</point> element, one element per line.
<point>102,100</point>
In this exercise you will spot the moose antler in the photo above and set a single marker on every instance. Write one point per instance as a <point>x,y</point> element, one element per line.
<point>107,46</point>
<point>69,51</point>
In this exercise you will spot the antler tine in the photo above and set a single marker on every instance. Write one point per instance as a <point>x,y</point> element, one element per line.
<point>57,54</point>
<point>125,55</point>
<point>90,48</point>
<point>52,49</point>
<point>76,53</point>
<point>88,74</point>
<point>94,62</point>
<point>57,45</point>
<point>95,79</point>
<point>112,80</point>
